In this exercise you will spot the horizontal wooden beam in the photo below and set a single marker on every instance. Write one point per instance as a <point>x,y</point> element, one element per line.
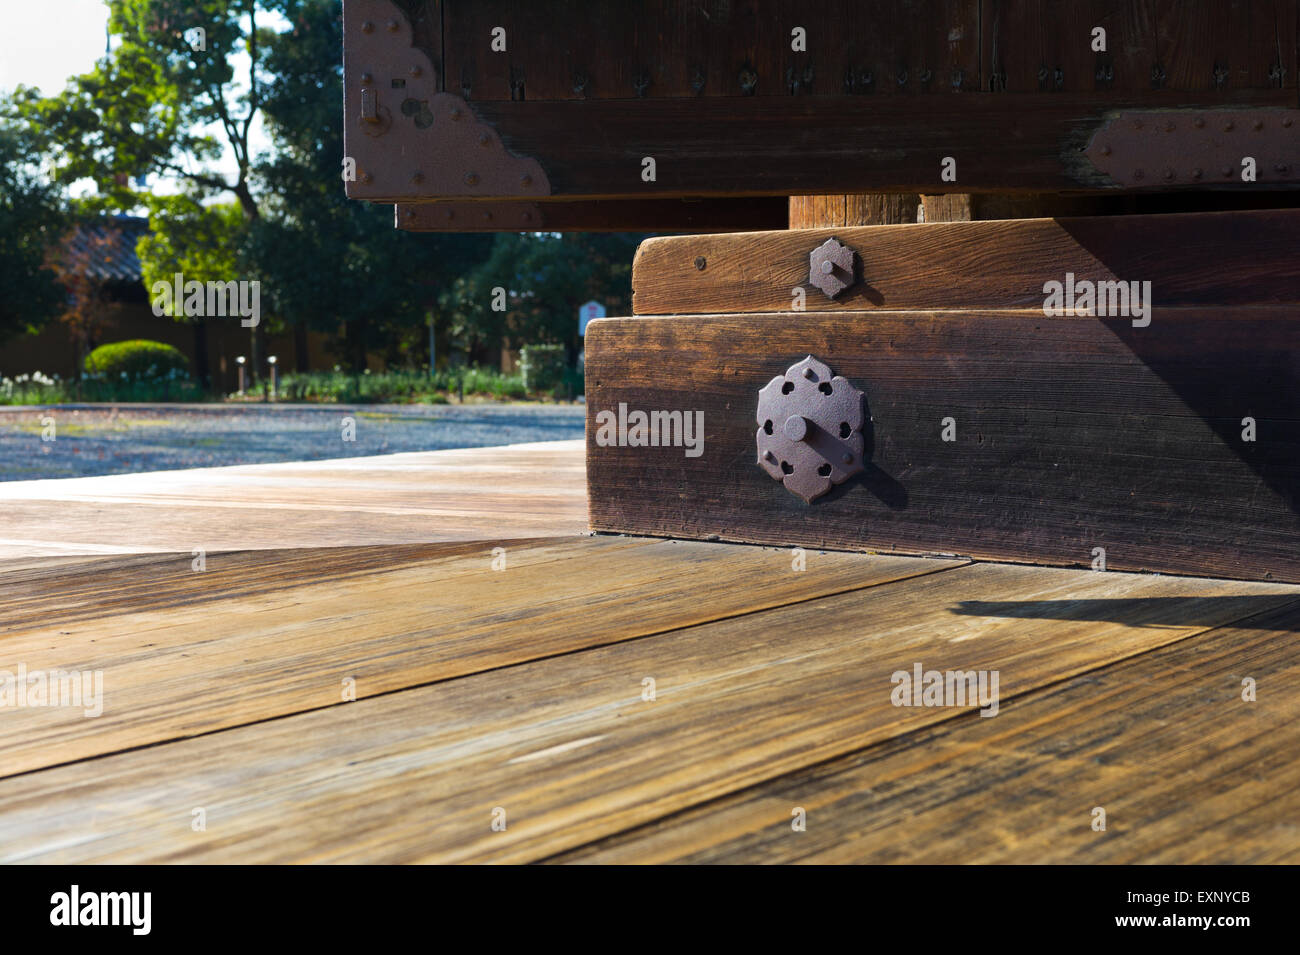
<point>612,215</point>
<point>1068,434</point>
<point>1226,258</point>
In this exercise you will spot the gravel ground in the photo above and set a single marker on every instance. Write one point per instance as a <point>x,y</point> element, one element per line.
<point>100,439</point>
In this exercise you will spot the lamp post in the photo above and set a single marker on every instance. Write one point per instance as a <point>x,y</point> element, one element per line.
<point>240,362</point>
<point>275,381</point>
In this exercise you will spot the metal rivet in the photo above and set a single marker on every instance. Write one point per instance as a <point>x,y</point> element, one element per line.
<point>415,71</point>
<point>1169,175</point>
<point>1259,124</point>
<point>1196,174</point>
<point>700,262</point>
<point>828,267</point>
<point>769,456</point>
<point>367,27</point>
<point>1286,123</point>
<point>366,177</point>
<point>366,78</point>
<point>1137,124</point>
<point>525,180</point>
<point>795,427</point>
<point>455,112</point>
<point>487,217</point>
<point>417,176</point>
<point>810,374</point>
<point>1169,127</point>
<point>471,179</point>
<point>484,139</point>
<point>392,26</point>
<point>1198,122</point>
<point>1105,150</point>
<point>847,459</point>
<point>1228,126</point>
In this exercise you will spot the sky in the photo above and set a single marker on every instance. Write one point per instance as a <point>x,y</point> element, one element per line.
<point>43,42</point>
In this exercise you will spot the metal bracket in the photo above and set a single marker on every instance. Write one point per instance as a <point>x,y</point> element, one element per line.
<point>410,141</point>
<point>1159,148</point>
<point>831,267</point>
<point>810,429</point>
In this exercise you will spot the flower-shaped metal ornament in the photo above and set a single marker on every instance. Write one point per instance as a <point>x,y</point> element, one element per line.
<point>810,429</point>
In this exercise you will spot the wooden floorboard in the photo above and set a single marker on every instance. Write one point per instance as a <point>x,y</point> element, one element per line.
<point>567,746</point>
<point>1185,769</point>
<point>262,634</point>
<point>527,490</point>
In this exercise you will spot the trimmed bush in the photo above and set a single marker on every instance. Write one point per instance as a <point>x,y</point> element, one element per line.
<point>138,360</point>
<point>543,367</point>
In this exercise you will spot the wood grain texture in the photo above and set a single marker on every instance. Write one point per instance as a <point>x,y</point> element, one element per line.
<point>833,212</point>
<point>609,215</point>
<point>1217,258</point>
<point>717,146</point>
<point>288,628</point>
<point>1187,771</point>
<point>1211,45</point>
<point>533,490</point>
<point>1071,434</point>
<point>711,49</point>
<point>568,747</point>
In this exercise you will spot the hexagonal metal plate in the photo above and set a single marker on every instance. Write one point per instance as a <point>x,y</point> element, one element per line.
<point>830,267</point>
<point>810,429</point>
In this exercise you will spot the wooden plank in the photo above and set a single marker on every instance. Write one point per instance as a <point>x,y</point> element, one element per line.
<point>1212,45</point>
<point>610,215</point>
<point>1186,770</point>
<point>1070,434</point>
<point>568,747</point>
<point>1217,258</point>
<point>714,48</point>
<point>724,146</point>
<point>290,629</point>
<point>533,490</point>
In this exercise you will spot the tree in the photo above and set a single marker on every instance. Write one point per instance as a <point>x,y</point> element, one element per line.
<point>544,277</point>
<point>31,223</point>
<point>202,243</point>
<point>143,109</point>
<point>326,259</point>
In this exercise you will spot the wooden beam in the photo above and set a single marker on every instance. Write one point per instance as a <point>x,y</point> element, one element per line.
<point>1237,258</point>
<point>611,215</point>
<point>1070,434</point>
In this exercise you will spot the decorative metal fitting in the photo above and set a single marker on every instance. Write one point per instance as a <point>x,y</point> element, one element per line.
<point>831,267</point>
<point>810,429</point>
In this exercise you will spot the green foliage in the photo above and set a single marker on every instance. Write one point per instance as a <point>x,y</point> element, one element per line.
<point>545,276</point>
<point>200,242</point>
<point>543,367</point>
<point>143,109</point>
<point>137,360</point>
<point>398,387</point>
<point>31,222</point>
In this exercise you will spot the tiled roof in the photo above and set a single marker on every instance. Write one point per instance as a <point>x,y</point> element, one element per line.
<point>105,249</point>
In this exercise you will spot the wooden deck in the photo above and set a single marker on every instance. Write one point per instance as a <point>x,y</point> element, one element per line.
<point>523,688</point>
